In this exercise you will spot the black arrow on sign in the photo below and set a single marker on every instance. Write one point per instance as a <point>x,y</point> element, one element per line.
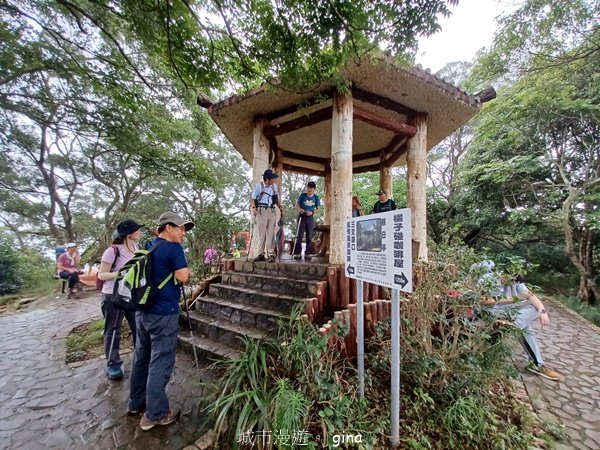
<point>401,279</point>
<point>350,270</point>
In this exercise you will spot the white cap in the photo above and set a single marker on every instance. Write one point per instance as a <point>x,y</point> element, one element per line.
<point>71,245</point>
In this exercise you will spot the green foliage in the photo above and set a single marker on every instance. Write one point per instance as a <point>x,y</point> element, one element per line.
<point>23,270</point>
<point>454,389</point>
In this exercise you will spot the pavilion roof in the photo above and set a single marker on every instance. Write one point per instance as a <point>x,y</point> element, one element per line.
<point>300,122</point>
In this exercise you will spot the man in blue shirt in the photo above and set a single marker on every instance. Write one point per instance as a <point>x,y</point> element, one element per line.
<point>307,205</point>
<point>156,335</point>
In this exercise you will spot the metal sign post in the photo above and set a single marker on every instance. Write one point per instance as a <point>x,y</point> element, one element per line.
<point>360,338</point>
<point>379,251</point>
<point>395,388</point>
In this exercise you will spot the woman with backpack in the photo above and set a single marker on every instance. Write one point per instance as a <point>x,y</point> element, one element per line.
<point>122,249</point>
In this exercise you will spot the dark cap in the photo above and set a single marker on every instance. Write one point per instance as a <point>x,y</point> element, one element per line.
<point>382,192</point>
<point>311,184</point>
<point>171,217</point>
<point>269,175</point>
<point>127,227</point>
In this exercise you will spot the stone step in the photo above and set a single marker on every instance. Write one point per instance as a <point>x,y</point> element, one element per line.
<point>246,315</point>
<point>296,269</point>
<point>255,297</point>
<point>272,283</point>
<point>221,330</point>
<point>207,349</point>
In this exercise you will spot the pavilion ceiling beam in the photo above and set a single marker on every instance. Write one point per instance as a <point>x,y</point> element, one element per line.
<point>391,160</point>
<point>370,168</point>
<point>307,158</point>
<point>304,170</point>
<point>295,124</point>
<point>381,122</point>
<point>319,98</point>
<point>375,99</point>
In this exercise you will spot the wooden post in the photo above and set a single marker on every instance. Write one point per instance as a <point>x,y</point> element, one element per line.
<point>332,282</point>
<point>351,348</point>
<point>416,178</point>
<point>344,289</point>
<point>341,174</point>
<point>385,180</point>
<point>327,197</point>
<point>260,163</point>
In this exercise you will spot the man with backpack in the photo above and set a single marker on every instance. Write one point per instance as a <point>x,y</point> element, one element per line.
<point>384,203</point>
<point>263,201</point>
<point>157,323</point>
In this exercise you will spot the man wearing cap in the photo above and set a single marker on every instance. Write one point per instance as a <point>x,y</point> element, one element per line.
<point>263,201</point>
<point>114,257</point>
<point>384,203</point>
<point>67,268</point>
<point>156,340</point>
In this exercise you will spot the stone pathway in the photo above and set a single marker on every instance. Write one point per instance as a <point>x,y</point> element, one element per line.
<point>571,345</point>
<point>47,404</point>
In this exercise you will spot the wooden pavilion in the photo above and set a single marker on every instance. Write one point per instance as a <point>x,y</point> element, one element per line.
<point>390,116</point>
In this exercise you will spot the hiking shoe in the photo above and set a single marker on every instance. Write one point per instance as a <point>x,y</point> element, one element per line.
<point>259,258</point>
<point>271,258</point>
<point>146,424</point>
<point>114,373</point>
<point>545,372</point>
<point>297,257</point>
<point>307,257</point>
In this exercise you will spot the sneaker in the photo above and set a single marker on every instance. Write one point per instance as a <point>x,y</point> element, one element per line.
<point>271,258</point>
<point>146,424</point>
<point>545,372</point>
<point>259,258</point>
<point>135,411</point>
<point>307,257</point>
<point>114,373</point>
<point>297,257</point>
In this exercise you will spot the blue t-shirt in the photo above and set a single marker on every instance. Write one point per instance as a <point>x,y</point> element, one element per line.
<point>309,203</point>
<point>166,259</point>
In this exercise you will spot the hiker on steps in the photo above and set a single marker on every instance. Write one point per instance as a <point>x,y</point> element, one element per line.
<point>308,205</point>
<point>68,264</point>
<point>113,258</point>
<point>263,201</point>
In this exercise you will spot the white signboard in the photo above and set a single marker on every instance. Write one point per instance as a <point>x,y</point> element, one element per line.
<point>379,249</point>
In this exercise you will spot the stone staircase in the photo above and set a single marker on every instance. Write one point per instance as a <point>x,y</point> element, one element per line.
<point>251,300</point>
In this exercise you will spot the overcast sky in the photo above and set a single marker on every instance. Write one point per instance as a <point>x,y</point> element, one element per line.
<point>470,27</point>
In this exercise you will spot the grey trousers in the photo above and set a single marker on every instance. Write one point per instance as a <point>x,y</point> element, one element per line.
<point>154,360</point>
<point>523,315</point>
<point>113,319</point>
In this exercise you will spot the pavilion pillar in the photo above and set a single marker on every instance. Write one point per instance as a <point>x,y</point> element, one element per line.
<point>260,163</point>
<point>385,180</point>
<point>416,178</point>
<point>341,174</point>
<point>327,194</point>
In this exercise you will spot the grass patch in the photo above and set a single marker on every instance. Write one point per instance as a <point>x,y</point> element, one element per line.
<point>591,313</point>
<point>86,342</point>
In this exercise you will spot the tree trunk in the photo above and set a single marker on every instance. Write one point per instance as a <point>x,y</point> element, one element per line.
<point>589,290</point>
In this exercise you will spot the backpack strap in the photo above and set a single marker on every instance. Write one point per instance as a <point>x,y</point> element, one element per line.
<point>172,274</point>
<point>117,254</point>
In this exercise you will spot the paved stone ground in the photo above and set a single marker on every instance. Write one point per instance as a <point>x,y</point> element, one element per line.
<point>571,345</point>
<point>47,404</point>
